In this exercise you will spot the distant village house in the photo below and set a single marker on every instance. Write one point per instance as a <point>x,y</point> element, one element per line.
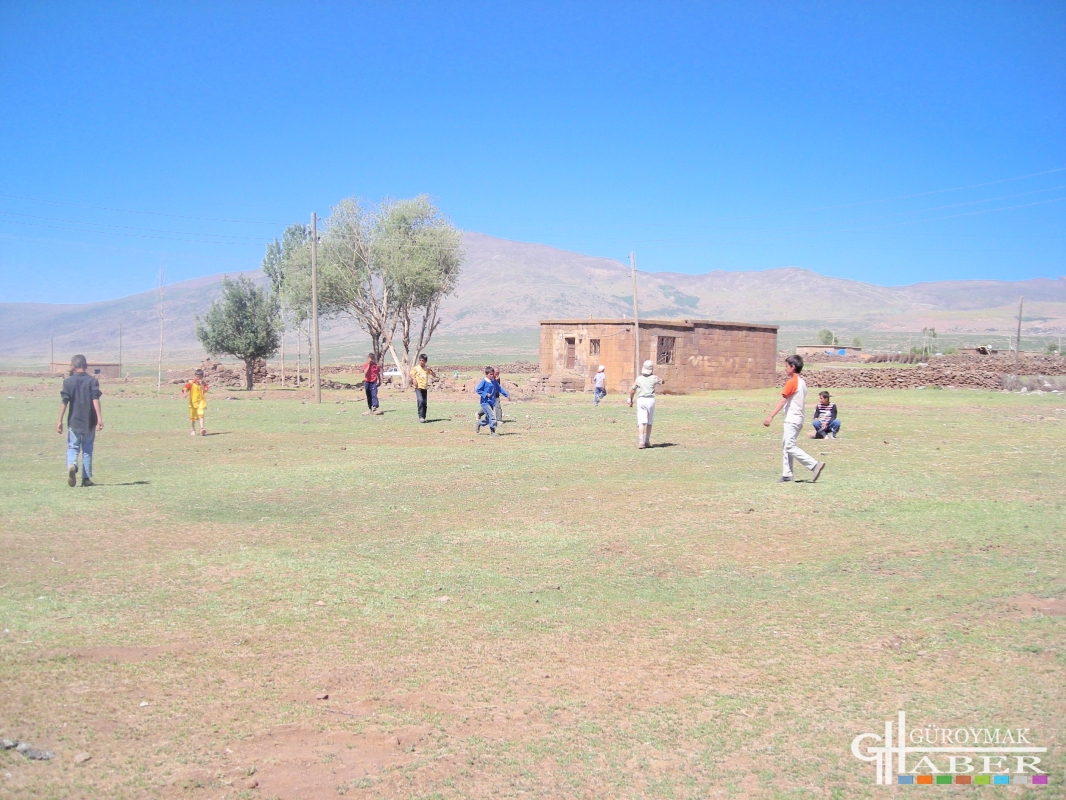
<point>100,369</point>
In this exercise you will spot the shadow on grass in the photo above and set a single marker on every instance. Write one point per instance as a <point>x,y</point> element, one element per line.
<point>129,483</point>
<point>663,444</point>
<point>216,433</point>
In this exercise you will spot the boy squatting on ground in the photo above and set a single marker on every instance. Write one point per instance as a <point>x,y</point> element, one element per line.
<point>371,381</point>
<point>644,389</point>
<point>826,424</point>
<point>81,394</point>
<point>196,390</point>
<point>487,394</point>
<point>420,376</point>
<point>792,398</point>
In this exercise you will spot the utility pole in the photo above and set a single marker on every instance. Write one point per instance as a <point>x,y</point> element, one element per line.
<point>636,317</point>
<point>1018,338</point>
<point>314,306</point>
<point>159,366</point>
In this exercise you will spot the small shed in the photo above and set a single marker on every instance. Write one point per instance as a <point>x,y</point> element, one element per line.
<point>689,355</point>
<point>101,369</point>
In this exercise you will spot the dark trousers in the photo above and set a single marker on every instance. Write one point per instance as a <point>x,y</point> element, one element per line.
<point>371,394</point>
<point>422,396</point>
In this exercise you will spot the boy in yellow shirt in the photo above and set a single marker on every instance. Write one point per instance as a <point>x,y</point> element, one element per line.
<point>420,376</point>
<point>196,390</point>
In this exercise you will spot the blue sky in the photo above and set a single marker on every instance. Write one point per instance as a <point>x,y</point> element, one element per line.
<point>887,142</point>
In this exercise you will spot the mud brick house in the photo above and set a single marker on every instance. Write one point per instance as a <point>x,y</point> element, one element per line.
<point>690,355</point>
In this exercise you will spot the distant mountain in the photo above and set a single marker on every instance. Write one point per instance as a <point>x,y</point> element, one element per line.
<point>509,286</point>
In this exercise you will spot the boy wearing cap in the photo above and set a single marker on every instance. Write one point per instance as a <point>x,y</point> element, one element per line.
<point>81,394</point>
<point>792,398</point>
<point>196,391</point>
<point>644,389</point>
<point>599,385</point>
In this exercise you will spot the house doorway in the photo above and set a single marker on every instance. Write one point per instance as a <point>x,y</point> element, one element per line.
<point>571,352</point>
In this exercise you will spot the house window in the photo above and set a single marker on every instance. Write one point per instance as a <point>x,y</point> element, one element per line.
<point>664,350</point>
<point>571,352</point>
<point>594,347</point>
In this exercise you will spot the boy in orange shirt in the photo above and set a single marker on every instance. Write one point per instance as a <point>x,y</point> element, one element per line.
<point>196,391</point>
<point>792,398</point>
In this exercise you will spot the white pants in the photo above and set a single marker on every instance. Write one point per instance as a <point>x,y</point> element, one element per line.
<point>645,410</point>
<point>790,450</point>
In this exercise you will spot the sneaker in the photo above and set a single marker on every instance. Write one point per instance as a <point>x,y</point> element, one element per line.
<point>492,432</point>
<point>817,471</point>
<point>192,433</point>
<point>72,475</point>
<point>784,479</point>
<point>203,431</point>
<point>87,482</point>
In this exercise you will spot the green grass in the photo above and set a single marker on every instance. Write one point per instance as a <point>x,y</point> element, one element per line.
<point>622,623</point>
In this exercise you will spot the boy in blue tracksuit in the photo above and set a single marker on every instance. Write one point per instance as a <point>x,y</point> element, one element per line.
<point>487,394</point>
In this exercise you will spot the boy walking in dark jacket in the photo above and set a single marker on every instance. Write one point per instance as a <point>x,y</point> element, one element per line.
<point>81,403</point>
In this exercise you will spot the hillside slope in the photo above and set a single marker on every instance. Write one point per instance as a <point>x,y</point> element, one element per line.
<point>508,286</point>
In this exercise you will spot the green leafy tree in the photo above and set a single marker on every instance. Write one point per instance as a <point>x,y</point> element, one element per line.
<point>419,254</point>
<point>389,268</point>
<point>1052,348</point>
<point>856,342</point>
<point>825,336</point>
<point>287,264</point>
<point>244,322</point>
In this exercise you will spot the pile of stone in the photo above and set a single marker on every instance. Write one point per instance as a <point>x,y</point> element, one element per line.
<point>958,371</point>
<point>552,384</point>
<point>219,375</point>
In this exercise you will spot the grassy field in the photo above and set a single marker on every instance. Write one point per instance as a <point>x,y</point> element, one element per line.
<point>311,603</point>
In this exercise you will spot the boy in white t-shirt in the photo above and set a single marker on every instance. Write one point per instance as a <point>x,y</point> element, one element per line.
<point>792,398</point>
<point>644,390</point>
<point>599,385</point>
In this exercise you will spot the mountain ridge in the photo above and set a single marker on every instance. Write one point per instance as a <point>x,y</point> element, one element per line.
<point>509,286</point>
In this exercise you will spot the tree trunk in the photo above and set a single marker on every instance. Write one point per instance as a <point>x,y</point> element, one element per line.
<point>248,363</point>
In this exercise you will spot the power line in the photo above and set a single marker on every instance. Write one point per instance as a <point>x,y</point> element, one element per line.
<point>130,235</point>
<point>132,227</point>
<point>131,211</point>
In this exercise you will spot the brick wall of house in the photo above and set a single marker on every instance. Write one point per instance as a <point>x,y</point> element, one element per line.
<point>706,355</point>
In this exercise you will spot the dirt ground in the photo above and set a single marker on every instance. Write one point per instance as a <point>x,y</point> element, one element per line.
<point>313,603</point>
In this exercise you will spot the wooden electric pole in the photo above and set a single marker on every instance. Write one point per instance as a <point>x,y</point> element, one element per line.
<point>314,307</point>
<point>1018,338</point>
<point>636,317</point>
